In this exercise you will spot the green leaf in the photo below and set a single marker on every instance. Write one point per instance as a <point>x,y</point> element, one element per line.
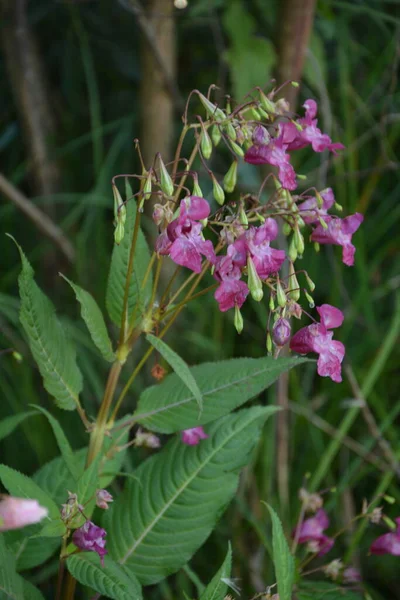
<point>11,584</point>
<point>22,486</point>
<point>50,346</point>
<point>94,320</point>
<point>119,268</point>
<point>321,590</point>
<point>8,424</point>
<point>225,385</point>
<point>217,587</point>
<point>162,519</point>
<point>178,365</point>
<point>283,560</point>
<point>89,481</point>
<point>30,591</point>
<point>63,443</point>
<point>32,551</point>
<point>112,580</point>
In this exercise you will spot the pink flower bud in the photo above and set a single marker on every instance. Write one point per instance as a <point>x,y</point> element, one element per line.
<point>18,512</point>
<point>90,537</point>
<point>103,498</point>
<point>281,332</point>
<point>192,437</point>
<point>260,136</point>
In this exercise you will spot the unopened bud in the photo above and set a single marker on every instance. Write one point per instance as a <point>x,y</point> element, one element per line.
<point>218,192</point>
<point>167,185</point>
<point>243,220</point>
<point>323,223</point>
<point>253,114</point>
<point>299,241</point>
<point>230,131</point>
<point>269,343</point>
<point>230,178</point>
<point>301,176</point>
<point>119,233</point>
<point>119,206</point>
<point>294,293</point>
<point>212,109</point>
<point>197,189</point>
<point>310,299</point>
<point>205,143</point>
<point>338,207</point>
<point>238,320</point>
<point>317,247</point>
<point>237,149</point>
<point>263,113</point>
<point>271,303</point>
<point>286,229</point>
<point>389,499</point>
<point>310,283</point>
<point>292,252</point>
<point>266,103</point>
<point>280,294</point>
<point>103,498</point>
<point>320,200</point>
<point>216,135</point>
<point>17,356</point>
<point>389,522</point>
<point>260,136</point>
<point>298,126</point>
<point>281,332</point>
<point>254,281</point>
<point>295,84</point>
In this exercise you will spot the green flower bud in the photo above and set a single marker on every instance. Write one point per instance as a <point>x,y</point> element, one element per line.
<point>167,185</point>
<point>271,303</point>
<point>218,192</point>
<point>17,357</point>
<point>298,126</point>
<point>238,320</point>
<point>205,143</point>
<point>237,149</point>
<point>269,343</point>
<point>267,104</point>
<point>302,177</point>
<point>253,114</point>
<point>212,109</point>
<point>243,220</point>
<point>295,84</point>
<point>389,499</point>
<point>119,233</point>
<point>323,223</point>
<point>292,252</point>
<point>286,229</point>
<point>300,222</point>
<point>310,299</point>
<point>320,200</point>
<point>230,131</point>
<point>263,113</point>
<point>299,241</point>
<point>230,178</point>
<point>316,247</point>
<point>389,522</point>
<point>294,293</point>
<point>338,207</point>
<point>197,189</point>
<point>254,281</point>
<point>280,294</point>
<point>310,283</point>
<point>119,206</point>
<point>216,135</point>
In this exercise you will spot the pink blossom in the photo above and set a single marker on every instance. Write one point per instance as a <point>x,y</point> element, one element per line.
<point>317,338</point>
<point>281,332</point>
<point>311,212</point>
<point>90,537</point>
<point>103,498</point>
<point>310,133</point>
<point>192,437</point>
<point>231,293</point>
<point>274,154</point>
<point>389,543</point>
<point>266,260</point>
<point>311,531</point>
<point>351,575</point>
<point>339,233</point>
<point>18,512</point>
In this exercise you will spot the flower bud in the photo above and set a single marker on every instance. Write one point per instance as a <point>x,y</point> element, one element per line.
<point>212,109</point>
<point>119,233</point>
<point>271,303</point>
<point>197,189</point>
<point>269,343</point>
<point>119,206</point>
<point>146,192</point>
<point>323,223</point>
<point>319,198</point>
<point>262,112</point>
<point>254,282</point>
<point>252,114</point>
<point>230,131</point>
<point>267,104</point>
<point>299,241</point>
<point>238,320</point>
<point>103,498</point>
<point>218,192</point>
<point>310,283</point>
<point>167,185</point>
<point>237,149</point>
<point>295,84</point>
<point>280,294</point>
<point>205,143</point>
<point>338,207</point>
<point>216,135</point>
<point>281,332</point>
<point>243,220</point>
<point>309,299</point>
<point>292,252</point>
<point>316,247</point>
<point>17,356</point>
<point>230,178</point>
<point>286,229</point>
<point>260,136</point>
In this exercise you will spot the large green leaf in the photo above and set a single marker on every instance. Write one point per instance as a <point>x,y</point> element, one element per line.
<point>11,584</point>
<point>225,385</point>
<point>321,590</point>
<point>217,587</point>
<point>50,346</point>
<point>178,365</point>
<point>94,320</point>
<point>119,268</point>
<point>22,486</point>
<point>283,560</point>
<point>162,519</point>
<point>29,551</point>
<point>8,424</point>
<point>112,580</point>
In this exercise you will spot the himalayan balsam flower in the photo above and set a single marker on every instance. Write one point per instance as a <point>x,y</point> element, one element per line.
<point>389,543</point>
<point>18,512</point>
<point>103,498</point>
<point>192,437</point>
<point>281,332</point>
<point>351,575</point>
<point>90,537</point>
<point>311,531</point>
<point>339,232</point>
<point>317,338</point>
<point>310,211</point>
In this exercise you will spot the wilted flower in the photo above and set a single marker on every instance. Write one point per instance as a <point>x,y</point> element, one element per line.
<point>147,439</point>
<point>103,498</point>
<point>351,575</point>
<point>18,512</point>
<point>376,515</point>
<point>311,531</point>
<point>389,543</point>
<point>192,437</point>
<point>311,502</point>
<point>90,537</point>
<point>333,569</point>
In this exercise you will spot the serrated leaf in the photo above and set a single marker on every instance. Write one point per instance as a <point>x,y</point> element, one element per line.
<point>162,519</point>
<point>94,320</point>
<point>8,424</point>
<point>22,486</point>
<point>63,443</point>
<point>178,365</point>
<point>283,560</point>
<point>11,584</point>
<point>226,385</point>
<point>119,268</point>
<point>49,344</point>
<point>321,590</point>
<point>89,481</point>
<point>217,587</point>
<point>29,551</point>
<point>112,580</point>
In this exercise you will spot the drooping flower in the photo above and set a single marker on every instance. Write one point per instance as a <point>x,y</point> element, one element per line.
<point>90,537</point>
<point>339,232</point>
<point>389,543</point>
<point>311,532</point>
<point>192,437</point>
<point>103,498</point>
<point>309,210</point>
<point>182,240</point>
<point>318,338</point>
<point>311,501</point>
<point>257,241</point>
<point>18,512</point>
<point>274,153</point>
<point>231,291</point>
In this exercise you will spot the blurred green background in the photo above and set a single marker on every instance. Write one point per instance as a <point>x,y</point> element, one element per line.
<point>80,80</point>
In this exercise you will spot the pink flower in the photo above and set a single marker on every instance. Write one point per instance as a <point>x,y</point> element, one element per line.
<point>182,240</point>
<point>266,260</point>
<point>274,154</point>
<point>311,212</point>
<point>317,338</point>
<point>339,233</point>
<point>90,537</point>
<point>311,531</point>
<point>231,293</point>
<point>192,437</point>
<point>281,332</point>
<point>103,498</point>
<point>389,543</point>
<point>18,512</point>
<point>351,575</point>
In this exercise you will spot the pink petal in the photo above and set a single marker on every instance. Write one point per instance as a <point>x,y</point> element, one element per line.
<point>231,293</point>
<point>331,317</point>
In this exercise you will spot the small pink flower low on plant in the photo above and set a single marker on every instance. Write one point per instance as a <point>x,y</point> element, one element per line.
<point>192,437</point>
<point>311,531</point>
<point>90,537</point>
<point>389,543</point>
<point>18,512</point>
<point>103,498</point>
